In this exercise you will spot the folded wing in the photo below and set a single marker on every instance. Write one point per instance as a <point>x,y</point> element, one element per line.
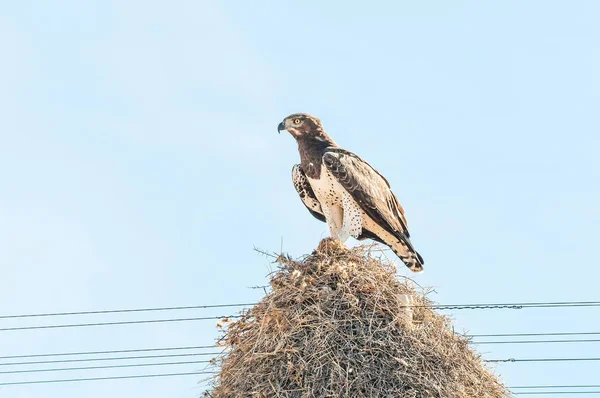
<point>370,190</point>
<point>306,193</point>
<point>308,197</point>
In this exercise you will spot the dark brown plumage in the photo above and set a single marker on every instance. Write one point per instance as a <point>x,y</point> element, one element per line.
<point>312,142</point>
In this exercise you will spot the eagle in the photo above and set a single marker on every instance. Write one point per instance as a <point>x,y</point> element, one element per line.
<point>346,192</point>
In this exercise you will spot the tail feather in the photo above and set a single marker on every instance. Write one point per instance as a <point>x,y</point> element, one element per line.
<point>409,256</point>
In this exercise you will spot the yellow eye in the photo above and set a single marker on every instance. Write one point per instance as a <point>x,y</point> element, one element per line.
<point>296,121</point>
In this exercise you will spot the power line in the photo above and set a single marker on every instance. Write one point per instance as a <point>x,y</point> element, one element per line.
<point>136,365</point>
<point>534,334</point>
<point>213,373</point>
<point>215,346</point>
<point>74,325</point>
<point>108,359</point>
<point>124,351</point>
<point>103,378</point>
<point>147,321</point>
<point>518,305</point>
<point>556,392</point>
<point>108,352</point>
<point>541,360</point>
<point>515,306</point>
<point>511,360</point>
<point>190,307</point>
<point>536,341</point>
<point>217,353</point>
<point>555,386</point>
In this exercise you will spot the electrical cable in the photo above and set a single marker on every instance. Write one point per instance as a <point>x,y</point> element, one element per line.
<point>108,359</point>
<point>190,307</point>
<point>536,341</point>
<point>75,325</point>
<point>518,305</point>
<point>533,334</point>
<point>108,352</point>
<point>540,360</point>
<point>103,378</point>
<point>135,365</point>
<point>555,386</point>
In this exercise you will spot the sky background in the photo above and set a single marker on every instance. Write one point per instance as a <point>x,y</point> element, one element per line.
<point>140,164</point>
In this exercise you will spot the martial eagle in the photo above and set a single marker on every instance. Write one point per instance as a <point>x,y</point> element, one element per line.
<point>341,189</point>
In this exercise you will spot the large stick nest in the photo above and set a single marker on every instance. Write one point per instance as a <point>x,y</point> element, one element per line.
<point>341,324</point>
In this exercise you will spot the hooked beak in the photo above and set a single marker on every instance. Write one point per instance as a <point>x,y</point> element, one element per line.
<point>280,127</point>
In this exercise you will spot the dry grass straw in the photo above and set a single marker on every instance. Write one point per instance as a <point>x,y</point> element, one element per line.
<point>336,324</point>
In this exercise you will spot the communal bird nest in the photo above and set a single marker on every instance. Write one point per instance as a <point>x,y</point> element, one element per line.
<point>339,323</point>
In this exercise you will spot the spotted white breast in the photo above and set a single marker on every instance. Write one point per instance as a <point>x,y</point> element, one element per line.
<point>343,215</point>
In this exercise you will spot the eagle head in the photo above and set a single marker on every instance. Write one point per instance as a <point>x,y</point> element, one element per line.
<point>301,125</point>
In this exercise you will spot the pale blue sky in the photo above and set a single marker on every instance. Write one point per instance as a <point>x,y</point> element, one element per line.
<point>140,163</point>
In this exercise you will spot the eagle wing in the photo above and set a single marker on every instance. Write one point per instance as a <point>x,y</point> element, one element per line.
<point>370,190</point>
<point>307,195</point>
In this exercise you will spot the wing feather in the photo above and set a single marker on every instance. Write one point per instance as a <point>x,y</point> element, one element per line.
<point>307,195</point>
<point>370,190</point>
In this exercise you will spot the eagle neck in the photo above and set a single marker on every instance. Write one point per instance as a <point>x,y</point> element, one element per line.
<point>311,150</point>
